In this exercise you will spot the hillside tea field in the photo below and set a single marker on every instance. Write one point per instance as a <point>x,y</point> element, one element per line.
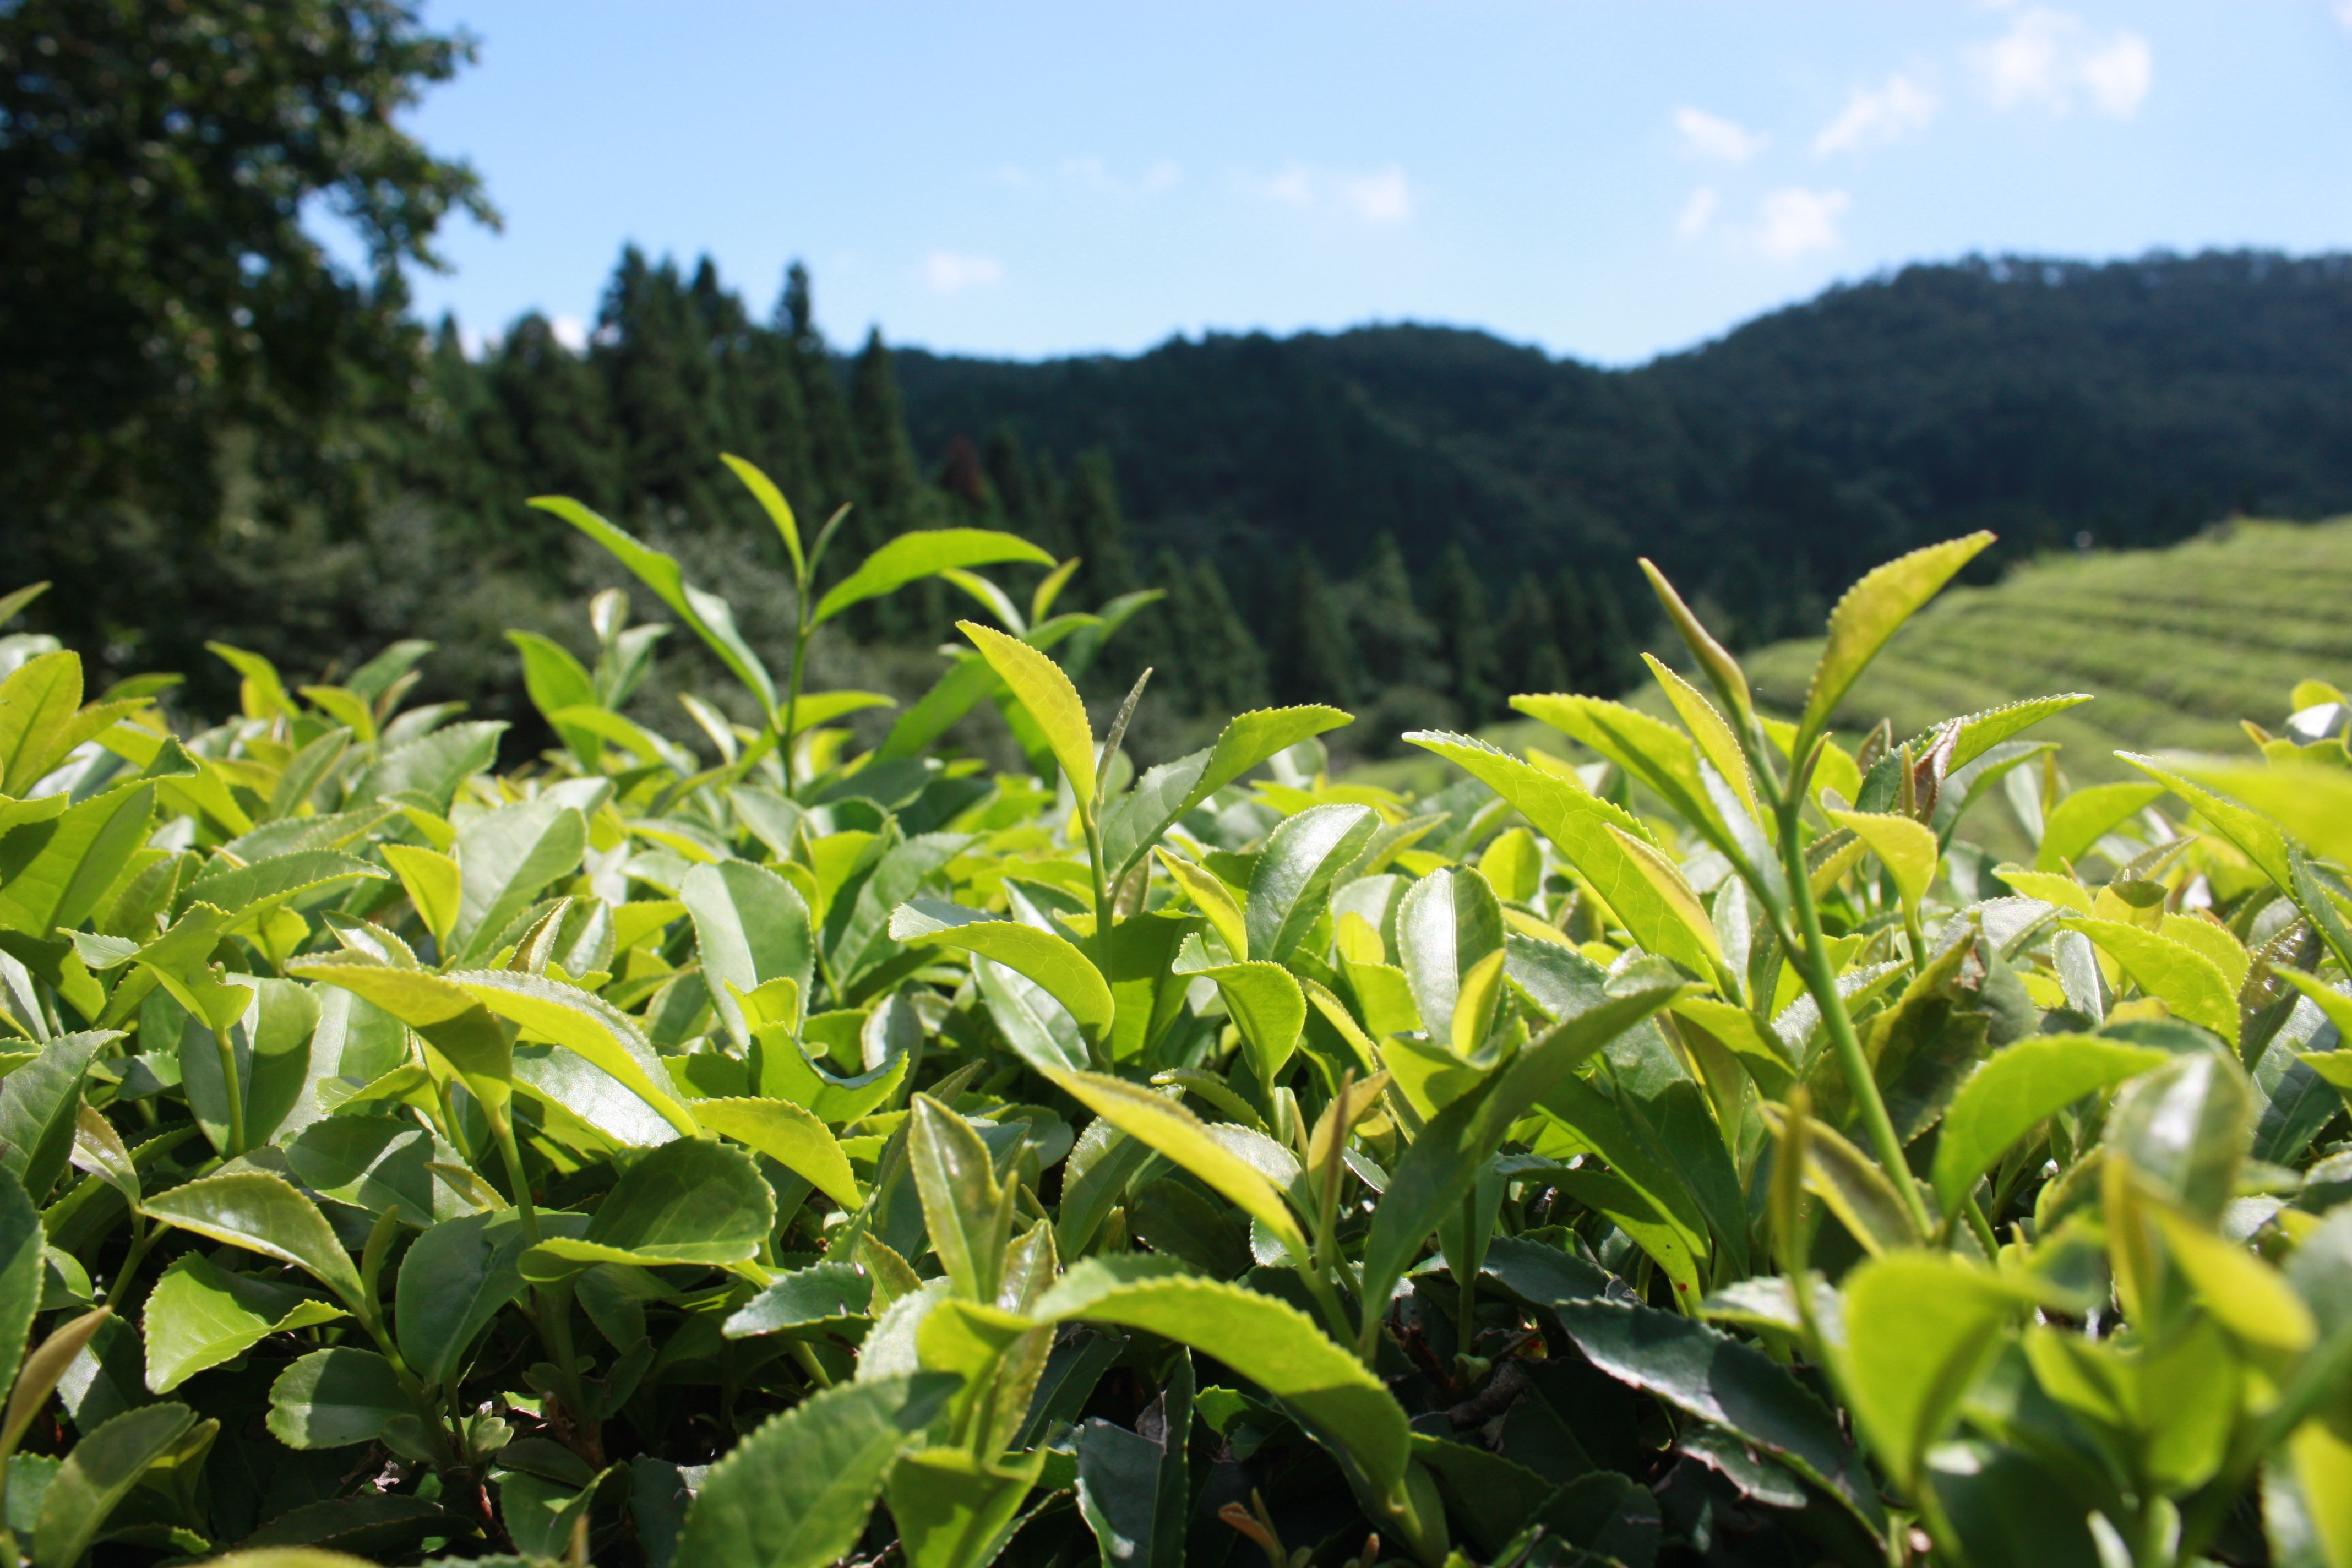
<point>764,1153</point>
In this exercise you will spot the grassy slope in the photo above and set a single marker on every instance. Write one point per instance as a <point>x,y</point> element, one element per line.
<point>2176,644</point>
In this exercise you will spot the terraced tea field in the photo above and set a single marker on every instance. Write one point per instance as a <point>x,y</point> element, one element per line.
<point>2176,644</point>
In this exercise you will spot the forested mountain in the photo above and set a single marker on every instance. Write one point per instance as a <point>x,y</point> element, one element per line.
<point>2133,401</point>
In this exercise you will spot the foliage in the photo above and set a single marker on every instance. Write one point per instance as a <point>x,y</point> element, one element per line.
<point>158,284</point>
<point>770,1153</point>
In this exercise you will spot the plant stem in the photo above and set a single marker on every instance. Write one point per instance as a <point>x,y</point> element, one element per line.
<point>142,1238</point>
<point>1102,892</point>
<point>800,631</point>
<point>502,1128</point>
<point>1465,1321</point>
<point>1822,982</point>
<point>233,1089</point>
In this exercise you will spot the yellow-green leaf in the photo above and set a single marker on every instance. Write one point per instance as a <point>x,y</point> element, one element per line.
<point>1906,848</point>
<point>1049,697</point>
<point>792,1137</point>
<point>2185,980</point>
<point>1869,613</point>
<point>434,886</point>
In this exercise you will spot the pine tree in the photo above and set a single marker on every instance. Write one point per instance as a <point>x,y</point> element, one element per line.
<point>1602,659</point>
<point>1007,468</point>
<point>1531,655</point>
<point>1400,645</point>
<point>833,449</point>
<point>1315,654</point>
<point>1090,514</point>
<point>655,354</point>
<point>1467,629</point>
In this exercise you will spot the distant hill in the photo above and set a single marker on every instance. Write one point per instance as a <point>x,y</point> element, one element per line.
<point>2176,645</point>
<point>2135,401</point>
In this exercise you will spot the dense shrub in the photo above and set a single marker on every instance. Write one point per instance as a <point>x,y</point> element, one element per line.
<point>1686,1147</point>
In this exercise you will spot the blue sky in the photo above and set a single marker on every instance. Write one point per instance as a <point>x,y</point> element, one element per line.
<point>1607,181</point>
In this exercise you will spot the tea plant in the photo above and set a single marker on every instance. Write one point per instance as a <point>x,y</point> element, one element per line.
<point>779,1154</point>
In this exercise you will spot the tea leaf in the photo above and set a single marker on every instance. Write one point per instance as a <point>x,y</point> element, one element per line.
<point>335,1398</point>
<point>454,1279</point>
<point>1867,615</point>
<point>796,1492</point>
<point>1270,1343</point>
<point>750,926</point>
<point>921,553</point>
<point>99,1474</point>
<point>2016,1089</point>
<point>790,1136</point>
<point>2184,979</point>
<point>262,1212</point>
<point>1917,1327</point>
<point>1048,696</point>
<point>1052,961</point>
<point>1292,881</point>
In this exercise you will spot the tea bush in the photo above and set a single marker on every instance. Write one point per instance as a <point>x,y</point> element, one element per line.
<point>764,1156</point>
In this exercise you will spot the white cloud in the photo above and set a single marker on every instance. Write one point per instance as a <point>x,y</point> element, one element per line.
<point>1879,115</point>
<point>1380,196</point>
<point>1712,136</point>
<point>2048,57</point>
<point>1797,220</point>
<point>569,331</point>
<point>1698,213</point>
<point>952,272</point>
<point>1092,174</point>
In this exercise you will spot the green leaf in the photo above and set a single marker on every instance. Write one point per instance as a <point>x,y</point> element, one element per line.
<point>1918,1326</point>
<point>436,886</point>
<point>1722,669</point>
<point>250,892</point>
<point>1673,893</point>
<point>39,1104</point>
<point>1906,848</point>
<point>1443,1163</point>
<point>1291,882</point>
<point>1651,750</point>
<point>1448,924</point>
<point>22,1246</point>
<point>53,872</point>
<point>1266,1001</point>
<point>750,926</point>
<point>579,1022</point>
<point>1134,1492</point>
<point>969,679</point>
<point>2187,983</point>
<point>796,1492</point>
<point>1869,613</point>
<point>706,612</point>
<point>454,1279</point>
<point>2312,801</point>
<point>2086,816</point>
<point>691,1201</point>
<point>506,856</point>
<point>376,1163</point>
<point>771,501</point>
<point>1578,822</point>
<point>922,553</point>
<point>1166,792</point>
<point>790,1136</point>
<point>1862,1196</point>
<point>953,1510</point>
<point>1270,1343</point>
<point>1049,699</point>
<point>200,1315</point>
<point>448,1017</point>
<point>261,1213</point>
<point>38,701</point>
<point>335,1398</point>
<point>433,765</point>
<point>1165,1125</point>
<point>2016,1089</point>
<point>1052,961</point>
<point>967,1211</point>
<point>100,1472</point>
<point>1709,1374</point>
<point>823,1296</point>
<point>2184,1126</point>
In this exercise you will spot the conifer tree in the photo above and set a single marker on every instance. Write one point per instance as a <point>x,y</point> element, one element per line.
<point>1007,468</point>
<point>1315,654</point>
<point>1466,628</point>
<point>833,450</point>
<point>1097,532</point>
<point>1531,655</point>
<point>1399,645</point>
<point>1201,649</point>
<point>655,354</point>
<point>1601,660</point>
